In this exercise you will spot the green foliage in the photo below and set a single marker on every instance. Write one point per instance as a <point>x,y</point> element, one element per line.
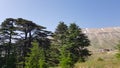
<point>81,59</point>
<point>2,62</point>
<point>54,54</point>
<point>100,59</point>
<point>60,34</point>
<point>118,54</point>
<point>65,61</point>
<point>36,58</point>
<point>42,61</point>
<point>61,28</point>
<point>17,36</point>
<point>118,47</point>
<point>42,64</point>
<point>72,44</point>
<point>8,62</point>
<point>33,60</point>
<point>7,31</point>
<point>11,61</point>
<point>77,43</point>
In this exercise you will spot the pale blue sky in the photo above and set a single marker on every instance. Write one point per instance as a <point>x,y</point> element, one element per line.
<point>85,13</point>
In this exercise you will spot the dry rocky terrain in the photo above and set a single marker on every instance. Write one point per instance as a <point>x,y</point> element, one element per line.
<point>103,38</point>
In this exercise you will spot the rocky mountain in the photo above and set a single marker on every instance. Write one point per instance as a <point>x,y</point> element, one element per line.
<point>102,38</point>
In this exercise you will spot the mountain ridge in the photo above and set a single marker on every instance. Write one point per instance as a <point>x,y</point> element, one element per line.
<point>107,37</point>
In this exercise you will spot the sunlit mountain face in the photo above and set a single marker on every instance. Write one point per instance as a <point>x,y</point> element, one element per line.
<point>102,38</point>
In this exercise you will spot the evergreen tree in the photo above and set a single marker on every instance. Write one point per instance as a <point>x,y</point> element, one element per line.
<point>72,44</point>
<point>16,36</point>
<point>65,59</point>
<point>17,41</point>
<point>77,43</point>
<point>27,30</point>
<point>7,37</point>
<point>36,58</point>
<point>59,40</point>
<point>60,33</point>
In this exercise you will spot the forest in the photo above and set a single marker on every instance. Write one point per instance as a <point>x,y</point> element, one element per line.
<point>25,44</point>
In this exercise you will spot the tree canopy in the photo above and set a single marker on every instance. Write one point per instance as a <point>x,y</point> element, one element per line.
<point>72,44</point>
<point>25,44</point>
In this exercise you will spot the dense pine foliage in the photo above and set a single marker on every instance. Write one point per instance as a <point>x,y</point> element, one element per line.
<point>25,44</point>
<point>72,44</point>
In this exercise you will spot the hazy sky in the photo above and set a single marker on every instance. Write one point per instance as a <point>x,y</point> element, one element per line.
<point>48,13</point>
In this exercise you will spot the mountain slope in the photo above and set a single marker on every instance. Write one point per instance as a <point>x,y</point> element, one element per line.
<point>102,38</point>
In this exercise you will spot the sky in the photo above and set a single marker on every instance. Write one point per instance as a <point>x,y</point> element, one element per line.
<point>48,13</point>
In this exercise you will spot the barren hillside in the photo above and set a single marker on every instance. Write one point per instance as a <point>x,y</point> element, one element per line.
<point>103,37</point>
